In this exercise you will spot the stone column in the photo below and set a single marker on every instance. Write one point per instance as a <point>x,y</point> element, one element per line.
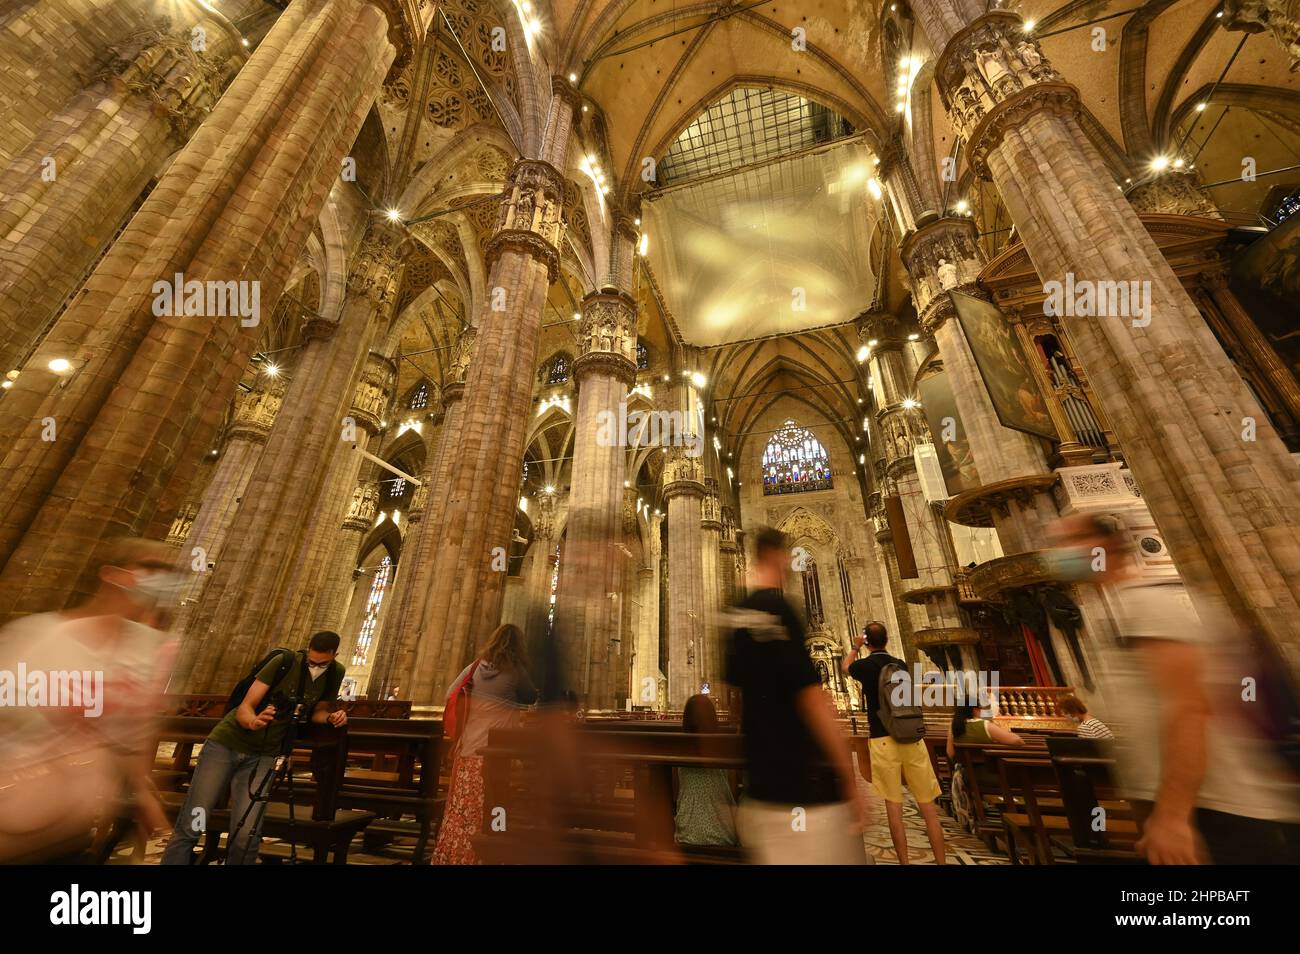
<point>645,671</point>
<point>900,424</point>
<point>1259,351</point>
<point>684,491</point>
<point>254,592</point>
<point>541,567</point>
<point>146,393</point>
<point>254,414</point>
<point>945,254</point>
<point>474,510</point>
<point>63,197</point>
<point>320,582</point>
<point>1225,503</point>
<point>417,564</point>
<point>711,537</point>
<point>588,604</point>
<point>340,572</point>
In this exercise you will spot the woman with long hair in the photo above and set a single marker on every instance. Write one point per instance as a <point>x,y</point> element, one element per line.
<point>488,694</point>
<point>706,810</point>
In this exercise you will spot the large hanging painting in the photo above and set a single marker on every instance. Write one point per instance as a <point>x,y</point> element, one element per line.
<point>951,442</point>
<point>1011,385</point>
<point>1266,280</point>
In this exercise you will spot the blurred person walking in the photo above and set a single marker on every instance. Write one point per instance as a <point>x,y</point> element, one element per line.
<point>1206,784</point>
<point>77,754</point>
<point>488,694</point>
<point>801,803</point>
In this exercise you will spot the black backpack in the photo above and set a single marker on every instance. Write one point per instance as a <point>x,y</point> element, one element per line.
<point>241,688</point>
<point>903,721</point>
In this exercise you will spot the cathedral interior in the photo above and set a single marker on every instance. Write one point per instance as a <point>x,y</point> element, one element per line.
<point>404,319</point>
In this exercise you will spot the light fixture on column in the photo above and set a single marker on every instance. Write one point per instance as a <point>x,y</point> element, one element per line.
<point>1159,163</point>
<point>1200,107</point>
<point>549,488</point>
<point>873,186</point>
<point>1029,26</point>
<point>394,215</point>
<point>60,365</point>
<point>910,403</point>
<point>698,379</point>
<point>863,354</point>
<point>962,207</point>
<point>573,77</point>
<point>644,245</point>
<point>271,370</point>
<point>914,337</point>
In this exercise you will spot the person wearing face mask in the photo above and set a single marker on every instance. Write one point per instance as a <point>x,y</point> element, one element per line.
<point>240,753</point>
<point>1206,785</point>
<point>81,756</point>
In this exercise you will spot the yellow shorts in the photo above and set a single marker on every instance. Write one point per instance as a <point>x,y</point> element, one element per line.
<point>891,762</point>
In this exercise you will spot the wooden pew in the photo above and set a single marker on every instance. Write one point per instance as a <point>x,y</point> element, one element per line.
<point>209,706</point>
<point>587,823</point>
<point>326,828</point>
<point>1086,782</point>
<point>986,799</point>
<point>392,769</point>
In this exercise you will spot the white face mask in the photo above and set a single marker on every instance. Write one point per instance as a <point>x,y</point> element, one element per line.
<point>316,671</point>
<point>158,588</point>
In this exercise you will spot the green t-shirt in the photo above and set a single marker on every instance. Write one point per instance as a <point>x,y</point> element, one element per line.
<point>267,741</point>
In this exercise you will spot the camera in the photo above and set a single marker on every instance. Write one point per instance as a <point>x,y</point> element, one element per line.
<point>285,706</point>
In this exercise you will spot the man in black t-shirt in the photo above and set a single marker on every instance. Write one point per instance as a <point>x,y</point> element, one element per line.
<point>891,760</point>
<point>801,803</point>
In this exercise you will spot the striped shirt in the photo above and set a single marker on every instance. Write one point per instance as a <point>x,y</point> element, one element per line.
<point>1094,728</point>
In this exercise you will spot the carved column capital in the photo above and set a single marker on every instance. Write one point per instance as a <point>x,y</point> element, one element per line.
<point>375,270</point>
<point>683,475</point>
<point>991,76</point>
<point>180,72</point>
<point>529,218</point>
<point>461,355</point>
<point>607,335</point>
<point>879,330</point>
<point>255,412</point>
<point>561,87</point>
<point>364,506</point>
<point>374,392</point>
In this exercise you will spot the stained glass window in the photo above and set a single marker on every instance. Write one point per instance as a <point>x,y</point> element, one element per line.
<point>419,397</point>
<point>642,356</point>
<point>795,461</point>
<point>559,369</point>
<point>374,603</point>
<point>1288,207</point>
<point>555,585</point>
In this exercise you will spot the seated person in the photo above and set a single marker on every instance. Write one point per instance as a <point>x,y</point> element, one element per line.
<point>706,811</point>
<point>1087,725</point>
<point>966,728</point>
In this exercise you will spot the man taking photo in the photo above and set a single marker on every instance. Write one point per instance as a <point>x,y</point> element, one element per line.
<point>240,753</point>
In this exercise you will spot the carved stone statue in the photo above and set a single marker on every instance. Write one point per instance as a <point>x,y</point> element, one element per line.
<point>989,60</point>
<point>947,274</point>
<point>1028,55</point>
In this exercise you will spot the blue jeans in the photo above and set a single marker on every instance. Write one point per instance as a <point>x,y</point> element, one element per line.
<point>218,768</point>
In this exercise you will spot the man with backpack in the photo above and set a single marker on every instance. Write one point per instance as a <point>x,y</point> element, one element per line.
<point>897,738</point>
<point>241,752</point>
